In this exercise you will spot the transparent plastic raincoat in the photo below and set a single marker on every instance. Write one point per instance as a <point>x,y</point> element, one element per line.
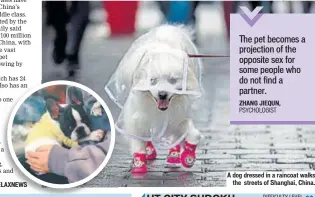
<point>155,70</point>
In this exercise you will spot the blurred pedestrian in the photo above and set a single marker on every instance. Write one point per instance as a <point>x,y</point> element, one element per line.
<point>255,4</point>
<point>307,5</point>
<point>232,7</point>
<point>291,10</point>
<point>68,40</point>
<point>121,16</point>
<point>179,12</point>
<point>166,6</point>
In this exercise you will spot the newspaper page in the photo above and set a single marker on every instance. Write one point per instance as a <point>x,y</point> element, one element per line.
<point>157,98</point>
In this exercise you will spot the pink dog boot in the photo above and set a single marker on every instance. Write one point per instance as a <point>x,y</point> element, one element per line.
<point>188,156</point>
<point>173,157</point>
<point>151,152</point>
<point>139,163</point>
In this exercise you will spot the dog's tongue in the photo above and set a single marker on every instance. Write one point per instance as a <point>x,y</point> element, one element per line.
<point>162,104</point>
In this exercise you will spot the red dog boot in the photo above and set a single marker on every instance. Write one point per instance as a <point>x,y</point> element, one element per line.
<point>139,163</point>
<point>188,156</point>
<point>173,157</point>
<point>151,152</point>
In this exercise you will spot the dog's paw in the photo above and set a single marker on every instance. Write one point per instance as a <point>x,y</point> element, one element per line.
<point>97,135</point>
<point>151,152</point>
<point>139,164</point>
<point>188,156</point>
<point>96,109</point>
<point>173,158</point>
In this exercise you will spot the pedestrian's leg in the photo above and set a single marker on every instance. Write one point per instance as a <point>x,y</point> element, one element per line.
<point>193,11</point>
<point>229,7</point>
<point>268,5</point>
<point>271,6</point>
<point>164,6</point>
<point>254,4</point>
<point>192,21</point>
<point>58,17</point>
<point>45,7</point>
<point>291,7</point>
<point>307,6</point>
<point>227,10</point>
<point>79,12</point>
<point>234,7</point>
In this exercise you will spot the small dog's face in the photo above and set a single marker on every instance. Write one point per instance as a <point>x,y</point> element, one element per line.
<point>73,120</point>
<point>165,78</point>
<point>163,96</point>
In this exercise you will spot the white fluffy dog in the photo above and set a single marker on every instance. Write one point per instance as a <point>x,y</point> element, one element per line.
<point>155,65</point>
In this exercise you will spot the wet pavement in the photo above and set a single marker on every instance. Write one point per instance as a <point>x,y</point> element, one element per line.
<point>225,147</point>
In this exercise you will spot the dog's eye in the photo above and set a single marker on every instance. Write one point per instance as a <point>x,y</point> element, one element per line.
<point>153,81</point>
<point>172,80</point>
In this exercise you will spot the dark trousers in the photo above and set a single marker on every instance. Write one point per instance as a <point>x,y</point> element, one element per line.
<point>307,6</point>
<point>59,14</point>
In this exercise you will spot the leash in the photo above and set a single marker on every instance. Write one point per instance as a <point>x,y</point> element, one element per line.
<point>205,56</point>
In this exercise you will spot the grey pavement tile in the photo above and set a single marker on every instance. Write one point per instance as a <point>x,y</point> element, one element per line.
<point>162,162</point>
<point>213,183</point>
<point>256,146</point>
<point>182,175</point>
<point>218,167</point>
<point>108,181</point>
<point>308,139</point>
<point>224,142</point>
<point>182,183</point>
<point>296,161</point>
<point>149,176</point>
<point>249,141</point>
<point>239,151</point>
<point>217,145</point>
<point>308,153</point>
<point>162,168</point>
<point>294,146</point>
<point>273,156</point>
<point>238,161</point>
<point>142,183</point>
<point>163,153</point>
<point>276,166</point>
<point>215,174</point>
<point>216,156</point>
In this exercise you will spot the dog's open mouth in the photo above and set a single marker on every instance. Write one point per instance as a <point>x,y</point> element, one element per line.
<point>163,104</point>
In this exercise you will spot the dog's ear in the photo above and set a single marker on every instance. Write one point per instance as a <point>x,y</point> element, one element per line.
<point>141,72</point>
<point>53,108</point>
<point>192,81</point>
<point>75,96</point>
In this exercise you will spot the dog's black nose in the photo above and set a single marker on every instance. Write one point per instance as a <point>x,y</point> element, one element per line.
<point>162,95</point>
